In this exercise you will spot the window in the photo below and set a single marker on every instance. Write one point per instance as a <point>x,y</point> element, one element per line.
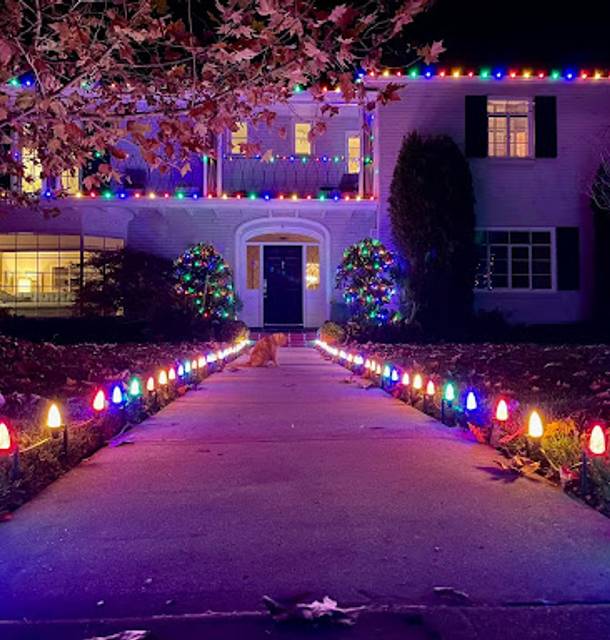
<point>508,123</point>
<point>253,266</point>
<point>43,271</point>
<point>519,259</point>
<point>302,145</point>
<point>32,171</point>
<point>353,153</point>
<point>239,138</point>
<point>69,182</point>
<point>312,267</point>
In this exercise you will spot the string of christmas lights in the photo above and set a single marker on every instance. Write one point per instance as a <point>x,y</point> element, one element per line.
<point>468,406</point>
<point>108,194</point>
<point>115,398</point>
<point>206,280</point>
<point>367,276</point>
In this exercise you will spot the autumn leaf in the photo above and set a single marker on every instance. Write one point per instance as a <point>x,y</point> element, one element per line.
<point>430,53</point>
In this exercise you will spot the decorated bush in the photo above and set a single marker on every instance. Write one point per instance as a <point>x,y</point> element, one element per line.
<point>367,275</point>
<point>206,281</point>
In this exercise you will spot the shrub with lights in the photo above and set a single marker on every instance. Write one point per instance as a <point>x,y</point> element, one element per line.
<point>367,275</point>
<point>206,281</point>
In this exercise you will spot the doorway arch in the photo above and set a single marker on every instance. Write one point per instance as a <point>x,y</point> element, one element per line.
<point>252,238</point>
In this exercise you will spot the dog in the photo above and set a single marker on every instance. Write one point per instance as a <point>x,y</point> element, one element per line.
<point>265,350</point>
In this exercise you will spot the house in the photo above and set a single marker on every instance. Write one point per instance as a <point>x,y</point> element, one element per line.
<point>283,219</point>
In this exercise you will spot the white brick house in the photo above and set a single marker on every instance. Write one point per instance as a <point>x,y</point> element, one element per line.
<point>533,144</point>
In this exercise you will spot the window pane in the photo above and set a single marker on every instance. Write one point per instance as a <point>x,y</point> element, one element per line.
<point>302,146</point>
<point>7,240</point>
<point>239,137</point>
<point>520,282</point>
<point>541,267</point>
<point>520,237</point>
<point>541,253</point>
<point>353,154</point>
<point>499,282</point>
<point>253,272</point>
<point>32,171</point>
<point>519,136</point>
<point>312,268</point>
<point>541,282</point>
<point>69,182</point>
<point>500,252</point>
<point>498,237</point>
<point>541,237</point>
<point>27,241</point>
<point>497,135</point>
<point>69,242</point>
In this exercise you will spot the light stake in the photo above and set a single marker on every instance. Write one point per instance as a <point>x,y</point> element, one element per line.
<point>447,401</point>
<point>55,424</point>
<point>9,446</point>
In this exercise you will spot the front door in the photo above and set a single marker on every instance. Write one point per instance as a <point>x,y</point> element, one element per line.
<point>283,285</point>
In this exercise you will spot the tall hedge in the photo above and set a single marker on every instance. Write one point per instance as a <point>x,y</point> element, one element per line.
<point>431,209</point>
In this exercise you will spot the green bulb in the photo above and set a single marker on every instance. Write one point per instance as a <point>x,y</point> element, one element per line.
<point>414,72</point>
<point>555,75</point>
<point>134,387</point>
<point>449,393</point>
<point>485,73</point>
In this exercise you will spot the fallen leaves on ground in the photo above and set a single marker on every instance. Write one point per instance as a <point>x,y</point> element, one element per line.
<point>325,611</point>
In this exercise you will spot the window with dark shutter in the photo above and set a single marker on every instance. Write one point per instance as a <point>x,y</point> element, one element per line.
<point>476,126</point>
<point>568,258</point>
<point>545,110</point>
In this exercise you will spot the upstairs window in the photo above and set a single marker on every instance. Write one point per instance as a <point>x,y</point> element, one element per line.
<point>509,128</point>
<point>32,171</point>
<point>514,259</point>
<point>69,182</point>
<point>302,145</point>
<point>239,138</point>
<point>353,153</point>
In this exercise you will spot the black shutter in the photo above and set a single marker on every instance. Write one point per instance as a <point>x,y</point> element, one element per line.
<point>545,109</point>
<point>476,126</point>
<point>568,258</point>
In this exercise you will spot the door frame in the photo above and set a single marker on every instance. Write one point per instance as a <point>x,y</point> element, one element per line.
<point>315,230</point>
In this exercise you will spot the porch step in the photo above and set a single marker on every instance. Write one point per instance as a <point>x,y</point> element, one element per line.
<point>295,338</point>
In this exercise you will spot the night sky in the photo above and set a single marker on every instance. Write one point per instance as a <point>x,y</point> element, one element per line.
<point>519,32</point>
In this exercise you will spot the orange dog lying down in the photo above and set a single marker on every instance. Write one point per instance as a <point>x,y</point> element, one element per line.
<point>265,350</point>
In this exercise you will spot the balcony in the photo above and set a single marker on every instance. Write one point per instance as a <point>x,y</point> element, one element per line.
<point>303,176</point>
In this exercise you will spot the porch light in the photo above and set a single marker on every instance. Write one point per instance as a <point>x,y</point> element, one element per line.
<point>418,383</point>
<point>150,384</point>
<point>471,401</point>
<point>99,401</point>
<point>502,411</point>
<point>597,443</point>
<point>535,428</point>
<point>162,377</point>
<point>117,394</point>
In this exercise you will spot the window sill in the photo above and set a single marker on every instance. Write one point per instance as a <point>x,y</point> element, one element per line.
<point>526,292</point>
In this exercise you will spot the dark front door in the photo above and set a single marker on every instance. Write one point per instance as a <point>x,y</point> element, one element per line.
<point>283,269</point>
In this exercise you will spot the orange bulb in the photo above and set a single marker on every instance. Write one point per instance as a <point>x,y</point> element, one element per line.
<point>535,428</point>
<point>430,389</point>
<point>418,383</point>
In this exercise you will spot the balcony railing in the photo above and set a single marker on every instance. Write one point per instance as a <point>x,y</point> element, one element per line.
<point>294,175</point>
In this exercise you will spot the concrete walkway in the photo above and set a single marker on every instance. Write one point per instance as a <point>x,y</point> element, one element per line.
<point>289,481</point>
